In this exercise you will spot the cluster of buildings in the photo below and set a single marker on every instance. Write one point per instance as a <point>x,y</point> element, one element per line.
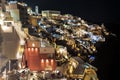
<point>47,45</point>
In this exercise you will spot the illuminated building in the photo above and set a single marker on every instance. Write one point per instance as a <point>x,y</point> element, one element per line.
<point>29,10</point>
<point>33,20</point>
<point>38,58</point>
<point>10,39</point>
<point>50,13</point>
<point>14,11</point>
<point>76,68</point>
<point>18,11</point>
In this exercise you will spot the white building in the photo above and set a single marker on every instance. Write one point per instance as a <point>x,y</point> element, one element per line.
<point>14,11</point>
<point>9,37</point>
<point>50,13</point>
<point>36,10</point>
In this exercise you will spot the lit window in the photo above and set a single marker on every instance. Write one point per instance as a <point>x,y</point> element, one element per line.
<point>32,49</point>
<point>36,49</point>
<point>47,61</point>
<point>28,49</point>
<point>42,60</point>
<point>51,60</point>
<point>33,44</point>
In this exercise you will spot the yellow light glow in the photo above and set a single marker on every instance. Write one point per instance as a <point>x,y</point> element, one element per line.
<point>22,42</point>
<point>19,65</point>
<point>28,49</point>
<point>51,60</point>
<point>36,49</point>
<point>42,60</point>
<point>32,49</point>
<point>33,44</point>
<point>47,61</point>
<point>2,15</point>
<point>1,22</point>
<point>18,56</point>
<point>6,29</point>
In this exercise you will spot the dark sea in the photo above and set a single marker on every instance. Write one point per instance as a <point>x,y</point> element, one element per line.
<point>108,55</point>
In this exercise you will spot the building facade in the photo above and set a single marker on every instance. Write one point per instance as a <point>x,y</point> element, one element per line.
<point>9,40</point>
<point>38,58</point>
<point>14,11</point>
<point>50,13</point>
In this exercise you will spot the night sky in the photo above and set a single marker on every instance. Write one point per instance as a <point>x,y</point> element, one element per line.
<point>102,11</point>
<point>95,11</point>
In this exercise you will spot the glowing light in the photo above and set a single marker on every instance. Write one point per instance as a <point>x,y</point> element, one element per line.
<point>61,51</point>
<point>36,49</point>
<point>22,42</point>
<point>56,71</point>
<point>18,56</point>
<point>2,15</point>
<point>42,60</point>
<point>28,49</point>
<point>21,50</point>
<point>51,60</point>
<point>6,29</point>
<point>33,44</point>
<point>19,65</point>
<point>1,22</point>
